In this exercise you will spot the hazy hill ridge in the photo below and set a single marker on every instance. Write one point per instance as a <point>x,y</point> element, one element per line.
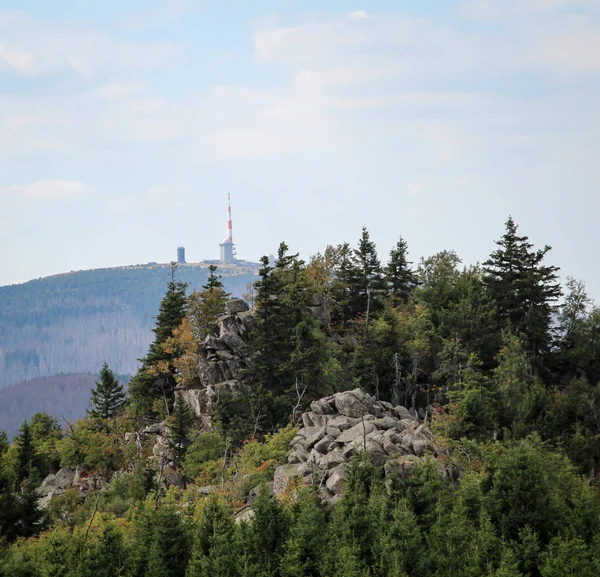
<point>73,322</point>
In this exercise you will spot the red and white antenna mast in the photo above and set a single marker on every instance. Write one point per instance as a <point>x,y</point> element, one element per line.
<point>229,224</point>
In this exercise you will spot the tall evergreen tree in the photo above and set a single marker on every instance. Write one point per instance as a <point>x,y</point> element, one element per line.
<point>169,549</point>
<point>215,552</point>
<point>399,274</point>
<point>108,396</point>
<point>368,285</point>
<point>182,421</point>
<point>155,380</point>
<point>206,306</point>
<point>525,289</point>
<point>27,457</point>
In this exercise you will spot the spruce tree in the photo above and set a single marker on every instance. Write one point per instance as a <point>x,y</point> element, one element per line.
<point>169,549</point>
<point>206,306</point>
<point>27,458</point>
<point>304,547</point>
<point>525,289</point>
<point>182,421</point>
<point>215,552</point>
<point>368,285</point>
<point>108,396</point>
<point>399,274</point>
<point>155,380</point>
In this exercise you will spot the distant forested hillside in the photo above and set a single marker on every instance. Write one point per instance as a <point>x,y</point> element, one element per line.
<point>63,396</point>
<point>72,323</point>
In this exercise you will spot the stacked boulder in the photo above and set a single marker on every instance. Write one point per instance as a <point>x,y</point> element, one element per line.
<point>345,424</point>
<point>222,359</point>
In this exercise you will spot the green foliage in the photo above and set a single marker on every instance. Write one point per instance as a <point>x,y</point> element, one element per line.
<point>108,397</point>
<point>216,549</point>
<point>155,380</point>
<point>179,428</point>
<point>206,447</point>
<point>525,289</point>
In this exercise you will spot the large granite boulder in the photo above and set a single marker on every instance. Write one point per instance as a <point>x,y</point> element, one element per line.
<point>349,423</point>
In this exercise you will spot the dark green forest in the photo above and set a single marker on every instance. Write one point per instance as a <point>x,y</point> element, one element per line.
<point>498,360</point>
<point>72,323</point>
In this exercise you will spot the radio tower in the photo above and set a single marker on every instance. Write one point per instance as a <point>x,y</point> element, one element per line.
<point>227,245</point>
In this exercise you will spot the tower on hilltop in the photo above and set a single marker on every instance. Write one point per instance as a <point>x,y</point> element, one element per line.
<point>181,255</point>
<point>227,256</point>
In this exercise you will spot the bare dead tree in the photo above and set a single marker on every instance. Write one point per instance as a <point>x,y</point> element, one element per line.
<point>299,395</point>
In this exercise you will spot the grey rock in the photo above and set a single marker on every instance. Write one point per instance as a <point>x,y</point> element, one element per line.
<point>322,407</point>
<point>233,340</point>
<point>423,432</point>
<point>342,423</point>
<point>403,413</point>
<point>315,438</point>
<point>208,490</point>
<point>214,344</point>
<point>234,306</point>
<point>333,432</point>
<point>323,445</point>
<point>420,447</point>
<point>387,423</point>
<point>359,430</point>
<point>335,481</point>
<point>307,432</point>
<point>306,469</point>
<point>356,403</point>
<point>391,448</point>
<point>247,319</point>
<point>316,419</point>
<point>282,477</point>
<point>332,460</point>
<point>300,455</point>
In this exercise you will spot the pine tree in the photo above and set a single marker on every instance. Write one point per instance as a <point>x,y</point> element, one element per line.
<point>215,552</point>
<point>525,289</point>
<point>206,306</point>
<point>267,534</point>
<point>108,396</point>
<point>155,380</point>
<point>303,549</point>
<point>368,285</point>
<point>27,457</point>
<point>182,421</point>
<point>169,550</point>
<point>399,274</point>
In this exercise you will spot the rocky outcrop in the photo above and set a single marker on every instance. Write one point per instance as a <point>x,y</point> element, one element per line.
<point>222,359</point>
<point>349,423</point>
<point>80,479</point>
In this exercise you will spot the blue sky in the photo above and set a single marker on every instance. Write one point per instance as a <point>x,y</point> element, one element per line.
<point>123,126</point>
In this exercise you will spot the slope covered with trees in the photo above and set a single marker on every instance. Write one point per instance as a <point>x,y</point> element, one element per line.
<point>499,361</point>
<point>72,323</point>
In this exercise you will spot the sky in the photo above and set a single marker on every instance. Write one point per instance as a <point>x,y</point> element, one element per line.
<point>123,126</point>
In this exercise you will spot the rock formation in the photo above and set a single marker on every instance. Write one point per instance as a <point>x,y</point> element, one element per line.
<point>222,359</point>
<point>349,423</point>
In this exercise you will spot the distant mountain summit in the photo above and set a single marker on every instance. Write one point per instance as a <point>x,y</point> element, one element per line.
<point>74,322</point>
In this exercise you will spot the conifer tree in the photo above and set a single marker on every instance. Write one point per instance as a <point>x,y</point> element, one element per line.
<point>267,534</point>
<point>207,305</point>
<point>303,549</point>
<point>169,550</point>
<point>215,552</point>
<point>525,289</point>
<point>108,396</point>
<point>182,421</point>
<point>27,457</point>
<point>399,274</point>
<point>155,380</point>
<point>368,285</point>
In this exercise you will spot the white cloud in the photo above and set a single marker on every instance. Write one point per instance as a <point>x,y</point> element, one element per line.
<point>358,15</point>
<point>30,47</point>
<point>49,189</point>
